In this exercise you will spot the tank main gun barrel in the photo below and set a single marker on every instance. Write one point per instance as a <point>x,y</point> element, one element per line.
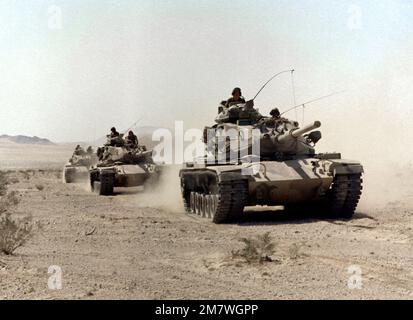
<point>295,133</point>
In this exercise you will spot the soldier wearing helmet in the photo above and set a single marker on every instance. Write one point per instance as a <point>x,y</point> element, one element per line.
<point>236,98</point>
<point>114,133</point>
<point>131,140</point>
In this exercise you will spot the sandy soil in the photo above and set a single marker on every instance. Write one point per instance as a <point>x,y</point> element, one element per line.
<point>140,245</point>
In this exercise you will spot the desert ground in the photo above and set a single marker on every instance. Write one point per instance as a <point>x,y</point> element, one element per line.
<point>139,244</point>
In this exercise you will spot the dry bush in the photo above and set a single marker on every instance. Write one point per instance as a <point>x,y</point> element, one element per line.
<point>257,249</point>
<point>14,180</point>
<point>26,174</point>
<point>39,187</point>
<point>295,251</point>
<point>8,201</point>
<point>13,232</point>
<point>3,183</point>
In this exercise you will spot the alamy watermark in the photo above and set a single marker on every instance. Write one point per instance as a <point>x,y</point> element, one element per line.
<point>54,281</point>
<point>355,281</point>
<point>55,17</point>
<point>212,145</point>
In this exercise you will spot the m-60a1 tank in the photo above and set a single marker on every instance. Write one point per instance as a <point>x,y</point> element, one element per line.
<point>121,165</point>
<point>285,171</point>
<point>77,169</point>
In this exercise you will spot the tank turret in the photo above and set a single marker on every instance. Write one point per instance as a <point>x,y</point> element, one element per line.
<point>288,139</point>
<point>278,137</point>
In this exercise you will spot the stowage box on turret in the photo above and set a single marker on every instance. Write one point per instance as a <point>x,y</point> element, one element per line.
<point>285,171</point>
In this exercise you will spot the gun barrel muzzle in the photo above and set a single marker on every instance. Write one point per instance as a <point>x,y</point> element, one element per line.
<point>298,132</point>
<point>295,133</point>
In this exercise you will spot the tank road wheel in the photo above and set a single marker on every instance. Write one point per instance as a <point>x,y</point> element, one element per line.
<point>92,178</point>
<point>208,206</point>
<point>223,202</point>
<point>186,195</point>
<point>198,200</point>
<point>231,199</point>
<point>192,202</point>
<point>68,176</point>
<point>344,196</point>
<point>106,184</point>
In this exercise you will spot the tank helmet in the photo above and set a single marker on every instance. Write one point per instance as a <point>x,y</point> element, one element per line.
<point>236,90</point>
<point>113,129</point>
<point>275,112</point>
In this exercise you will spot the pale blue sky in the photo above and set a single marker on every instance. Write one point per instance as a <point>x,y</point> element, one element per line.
<point>115,61</point>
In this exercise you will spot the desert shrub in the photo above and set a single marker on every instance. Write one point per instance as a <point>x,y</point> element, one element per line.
<point>26,174</point>
<point>257,249</point>
<point>8,201</point>
<point>3,183</point>
<point>39,187</point>
<point>14,180</point>
<point>14,233</point>
<point>295,251</point>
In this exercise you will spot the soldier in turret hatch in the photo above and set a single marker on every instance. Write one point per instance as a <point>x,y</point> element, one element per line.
<point>236,98</point>
<point>79,151</point>
<point>113,133</point>
<point>276,116</point>
<point>114,138</point>
<point>131,140</point>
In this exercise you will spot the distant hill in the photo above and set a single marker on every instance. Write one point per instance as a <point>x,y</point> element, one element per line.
<point>20,139</point>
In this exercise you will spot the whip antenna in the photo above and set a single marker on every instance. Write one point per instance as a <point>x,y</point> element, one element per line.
<point>293,89</point>
<point>311,101</point>
<point>133,125</point>
<point>274,76</point>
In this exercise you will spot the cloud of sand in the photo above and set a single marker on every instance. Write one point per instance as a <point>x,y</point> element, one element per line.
<point>163,194</point>
<point>379,134</point>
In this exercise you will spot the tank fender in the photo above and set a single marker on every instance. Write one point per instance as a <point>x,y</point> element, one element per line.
<point>346,167</point>
<point>232,176</point>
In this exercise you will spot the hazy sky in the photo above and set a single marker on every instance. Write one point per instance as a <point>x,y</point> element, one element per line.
<point>111,62</point>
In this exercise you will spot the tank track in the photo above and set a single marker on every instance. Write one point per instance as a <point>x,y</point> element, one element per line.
<point>105,185</point>
<point>68,176</point>
<point>344,195</point>
<point>226,205</point>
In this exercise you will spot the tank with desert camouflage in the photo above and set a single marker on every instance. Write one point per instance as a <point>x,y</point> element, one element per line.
<point>121,165</point>
<point>285,171</point>
<point>77,168</point>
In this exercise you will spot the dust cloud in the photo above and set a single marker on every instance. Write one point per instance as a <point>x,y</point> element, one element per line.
<point>163,194</point>
<point>374,125</point>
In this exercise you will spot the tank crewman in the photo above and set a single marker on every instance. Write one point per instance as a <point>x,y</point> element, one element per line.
<point>131,140</point>
<point>114,138</point>
<point>79,151</point>
<point>236,98</point>
<point>113,133</point>
<point>89,150</point>
<point>100,152</point>
<point>276,116</point>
